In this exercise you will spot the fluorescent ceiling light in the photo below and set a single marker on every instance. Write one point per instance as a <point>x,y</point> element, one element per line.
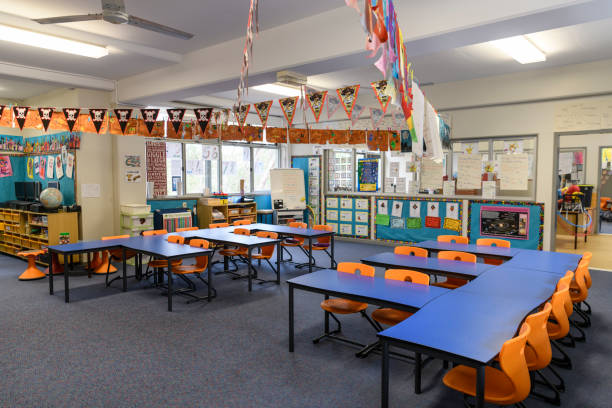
<point>51,42</point>
<point>278,89</point>
<point>521,49</point>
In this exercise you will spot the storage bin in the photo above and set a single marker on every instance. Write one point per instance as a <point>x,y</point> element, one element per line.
<point>131,232</point>
<point>141,222</point>
<point>135,209</point>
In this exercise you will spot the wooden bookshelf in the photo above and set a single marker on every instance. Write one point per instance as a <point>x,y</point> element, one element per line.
<point>231,212</point>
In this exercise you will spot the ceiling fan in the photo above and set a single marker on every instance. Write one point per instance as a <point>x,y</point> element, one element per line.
<point>113,11</point>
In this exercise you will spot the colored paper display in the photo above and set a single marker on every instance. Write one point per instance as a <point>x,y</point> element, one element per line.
<point>382,219</point>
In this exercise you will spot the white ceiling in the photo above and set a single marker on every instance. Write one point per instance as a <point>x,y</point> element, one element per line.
<point>15,90</point>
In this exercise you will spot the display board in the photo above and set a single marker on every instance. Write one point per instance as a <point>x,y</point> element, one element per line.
<point>367,174</point>
<point>401,219</point>
<point>288,185</point>
<point>520,222</point>
<point>349,216</point>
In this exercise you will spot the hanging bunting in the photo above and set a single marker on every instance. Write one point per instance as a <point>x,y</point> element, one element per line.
<point>333,103</point>
<point>263,110</point>
<point>175,117</point>
<point>357,111</point>
<point>203,117</point>
<point>398,120</point>
<point>247,53</point>
<point>149,116</point>
<point>376,116</point>
<point>72,116</point>
<point>288,106</point>
<point>380,89</point>
<point>2,110</point>
<point>123,117</point>
<point>316,102</point>
<point>45,116</point>
<point>97,117</point>
<point>348,96</point>
<point>20,112</point>
<point>241,112</point>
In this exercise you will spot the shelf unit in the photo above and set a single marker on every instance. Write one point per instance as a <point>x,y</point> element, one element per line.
<point>21,230</point>
<point>231,212</point>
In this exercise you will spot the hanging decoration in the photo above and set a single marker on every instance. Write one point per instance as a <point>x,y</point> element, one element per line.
<point>203,117</point>
<point>175,117</point>
<point>263,111</point>
<point>288,106</point>
<point>398,119</point>
<point>2,110</point>
<point>241,112</point>
<point>333,103</point>
<point>380,89</point>
<point>21,113</point>
<point>357,111</point>
<point>72,116</point>
<point>376,116</point>
<point>123,117</point>
<point>247,53</point>
<point>316,102</point>
<point>97,117</point>
<point>45,116</point>
<point>149,117</point>
<point>348,96</point>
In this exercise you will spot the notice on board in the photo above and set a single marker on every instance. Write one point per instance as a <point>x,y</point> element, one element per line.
<point>432,174</point>
<point>469,171</point>
<point>514,171</point>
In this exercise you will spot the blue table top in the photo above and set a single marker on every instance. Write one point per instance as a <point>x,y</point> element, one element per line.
<point>435,265</point>
<point>555,262</point>
<point>88,246</point>
<point>471,248</point>
<point>286,230</point>
<point>159,246</point>
<point>379,290</point>
<point>223,235</point>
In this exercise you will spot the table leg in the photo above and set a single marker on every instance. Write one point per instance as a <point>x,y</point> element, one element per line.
<point>309,255</point>
<point>384,403</point>
<point>291,346</point>
<point>278,262</point>
<point>249,270</point>
<point>333,256</point>
<point>169,285</point>
<point>417,373</point>
<point>480,386</point>
<point>326,321</point>
<point>50,272</point>
<point>124,271</point>
<point>210,279</point>
<point>576,231</point>
<point>66,279</point>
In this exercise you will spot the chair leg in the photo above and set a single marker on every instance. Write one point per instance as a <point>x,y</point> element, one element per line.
<point>586,320</point>
<point>561,384</point>
<point>565,361</point>
<point>588,310</point>
<point>555,399</point>
<point>582,337</point>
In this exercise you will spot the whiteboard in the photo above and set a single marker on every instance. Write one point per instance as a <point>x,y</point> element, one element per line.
<point>288,185</point>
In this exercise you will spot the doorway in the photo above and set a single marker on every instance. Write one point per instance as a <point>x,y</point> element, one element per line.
<point>605,190</point>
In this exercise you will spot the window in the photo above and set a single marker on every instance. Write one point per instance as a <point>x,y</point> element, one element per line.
<point>201,168</point>
<point>340,170</point>
<point>236,166</point>
<point>174,168</point>
<point>264,159</point>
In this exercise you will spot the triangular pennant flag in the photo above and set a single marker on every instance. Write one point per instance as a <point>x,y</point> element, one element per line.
<point>263,111</point>
<point>2,110</point>
<point>376,116</point>
<point>348,96</point>
<point>241,113</point>
<point>72,116</point>
<point>399,119</point>
<point>316,102</point>
<point>175,116</point>
<point>97,117</point>
<point>123,117</point>
<point>288,106</point>
<point>357,111</point>
<point>333,103</point>
<point>20,112</point>
<point>380,89</point>
<point>203,117</point>
<point>149,116</point>
<point>45,116</point>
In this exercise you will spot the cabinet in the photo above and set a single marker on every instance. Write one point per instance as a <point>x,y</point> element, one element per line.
<point>229,212</point>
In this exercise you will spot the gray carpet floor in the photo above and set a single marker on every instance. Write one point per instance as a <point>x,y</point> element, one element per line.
<point>113,349</point>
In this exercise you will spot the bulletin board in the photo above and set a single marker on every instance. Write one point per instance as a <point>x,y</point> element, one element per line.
<point>418,219</point>
<point>520,222</point>
<point>349,216</point>
<point>288,185</point>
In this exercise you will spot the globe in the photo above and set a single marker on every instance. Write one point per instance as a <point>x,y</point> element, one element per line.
<point>51,198</point>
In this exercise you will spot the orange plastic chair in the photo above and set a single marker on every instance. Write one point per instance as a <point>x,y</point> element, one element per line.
<point>453,239</point>
<point>218,225</point>
<point>105,267</point>
<point>93,264</point>
<point>154,232</point>
<point>115,255</point>
<point>506,386</point>
<point>232,253</point>
<point>31,272</point>
<point>346,306</point>
<point>200,266</point>
<point>502,243</point>
<point>241,222</point>
<point>265,253</point>
<point>187,229</point>
<point>450,282</point>
<point>579,293</point>
<point>410,250</point>
<point>58,268</point>
<point>293,241</point>
<point>162,263</point>
<point>558,325</point>
<point>320,244</point>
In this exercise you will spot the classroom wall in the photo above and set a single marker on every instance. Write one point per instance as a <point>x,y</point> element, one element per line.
<point>125,192</point>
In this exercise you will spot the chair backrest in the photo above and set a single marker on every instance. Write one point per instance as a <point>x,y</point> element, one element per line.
<point>218,225</point>
<point>154,232</point>
<point>176,239</point>
<point>457,256</point>
<point>201,261</point>
<point>296,224</point>
<point>558,312</point>
<point>513,364</point>
<point>454,239</point>
<point>115,237</point>
<point>580,279</point>
<point>407,275</point>
<point>496,242</point>
<point>352,267</point>
<point>241,222</point>
<point>567,300</point>
<point>242,231</point>
<point>538,338</point>
<point>267,250</point>
<point>322,227</point>
<point>410,250</point>
<point>587,276</point>
<point>187,229</point>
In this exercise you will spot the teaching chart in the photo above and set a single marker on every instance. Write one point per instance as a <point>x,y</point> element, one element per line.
<point>432,174</point>
<point>469,171</point>
<point>349,215</point>
<point>514,171</point>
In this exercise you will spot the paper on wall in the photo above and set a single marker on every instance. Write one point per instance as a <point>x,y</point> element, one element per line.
<point>346,229</point>
<point>415,209</point>
<point>361,204</point>
<point>432,174</point>
<point>514,171</point>
<point>361,230</point>
<point>566,161</point>
<point>331,202</point>
<point>90,190</point>
<point>452,211</point>
<point>394,169</point>
<point>412,188</point>
<point>383,207</point>
<point>69,164</point>
<point>361,216</point>
<point>64,154</point>
<point>346,216</point>
<point>59,168</point>
<point>389,185</point>
<point>398,206</point>
<point>469,171</point>
<point>332,215</point>
<point>346,203</point>
<point>418,118</point>
<point>400,185</point>
<point>50,166</point>
<point>448,188</point>
<point>431,133</point>
<point>433,209</point>
<point>43,167</point>
<point>488,189</point>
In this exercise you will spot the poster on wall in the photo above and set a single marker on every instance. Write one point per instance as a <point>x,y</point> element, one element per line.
<point>367,171</point>
<point>6,170</point>
<point>132,165</point>
<point>50,166</point>
<point>42,167</point>
<point>69,165</point>
<point>505,222</point>
<point>59,168</point>
<point>30,167</point>
<point>156,167</point>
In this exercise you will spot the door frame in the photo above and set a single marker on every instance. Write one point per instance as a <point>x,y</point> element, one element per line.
<point>599,163</point>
